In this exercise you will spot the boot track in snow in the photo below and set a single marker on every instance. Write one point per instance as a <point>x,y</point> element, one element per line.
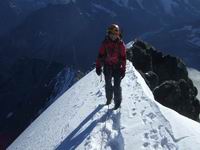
<point>79,120</point>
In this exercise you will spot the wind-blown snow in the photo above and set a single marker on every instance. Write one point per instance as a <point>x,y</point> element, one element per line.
<point>168,4</point>
<point>186,1</point>
<point>129,45</point>
<point>192,34</point>
<point>194,37</point>
<point>113,14</point>
<point>140,3</point>
<point>62,1</point>
<point>185,28</point>
<point>79,120</point>
<point>64,80</point>
<point>195,41</point>
<point>121,2</point>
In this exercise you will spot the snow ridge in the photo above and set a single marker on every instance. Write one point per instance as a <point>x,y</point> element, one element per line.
<point>80,120</point>
<point>110,135</point>
<point>107,125</point>
<point>158,135</point>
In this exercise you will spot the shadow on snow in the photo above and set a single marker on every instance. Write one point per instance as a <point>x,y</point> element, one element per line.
<point>73,140</point>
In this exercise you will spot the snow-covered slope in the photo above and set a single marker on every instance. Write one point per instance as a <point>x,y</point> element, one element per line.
<point>195,76</point>
<point>79,120</point>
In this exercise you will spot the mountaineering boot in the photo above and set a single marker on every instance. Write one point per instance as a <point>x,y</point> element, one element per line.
<point>108,102</point>
<point>116,107</point>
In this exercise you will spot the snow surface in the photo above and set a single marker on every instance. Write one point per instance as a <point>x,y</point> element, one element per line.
<point>129,45</point>
<point>195,77</point>
<point>79,120</point>
<point>64,80</point>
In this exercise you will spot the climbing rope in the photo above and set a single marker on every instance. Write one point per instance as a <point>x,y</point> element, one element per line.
<point>104,128</point>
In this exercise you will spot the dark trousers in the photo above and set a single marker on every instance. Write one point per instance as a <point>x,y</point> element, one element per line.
<point>114,73</point>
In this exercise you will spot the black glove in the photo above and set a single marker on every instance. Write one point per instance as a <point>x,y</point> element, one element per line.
<point>98,71</point>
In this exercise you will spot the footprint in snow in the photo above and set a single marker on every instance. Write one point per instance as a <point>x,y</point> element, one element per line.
<point>134,114</point>
<point>151,115</point>
<point>99,94</point>
<point>146,144</point>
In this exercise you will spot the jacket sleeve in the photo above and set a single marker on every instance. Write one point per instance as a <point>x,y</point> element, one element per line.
<point>100,57</point>
<point>123,56</point>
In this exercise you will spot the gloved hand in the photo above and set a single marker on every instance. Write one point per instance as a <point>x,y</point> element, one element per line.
<point>98,71</point>
<point>122,72</point>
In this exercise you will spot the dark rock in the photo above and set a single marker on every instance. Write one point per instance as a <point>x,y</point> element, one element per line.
<point>169,68</point>
<point>168,94</point>
<point>152,79</point>
<point>167,77</point>
<point>140,58</point>
<point>179,96</point>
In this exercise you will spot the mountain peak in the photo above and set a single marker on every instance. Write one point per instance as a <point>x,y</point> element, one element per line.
<point>79,120</point>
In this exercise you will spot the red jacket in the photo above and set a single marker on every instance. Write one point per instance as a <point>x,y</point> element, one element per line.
<point>112,53</point>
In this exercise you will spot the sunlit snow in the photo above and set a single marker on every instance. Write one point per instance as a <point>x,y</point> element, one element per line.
<point>79,120</point>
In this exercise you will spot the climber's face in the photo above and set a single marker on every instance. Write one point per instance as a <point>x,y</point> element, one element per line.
<point>113,36</point>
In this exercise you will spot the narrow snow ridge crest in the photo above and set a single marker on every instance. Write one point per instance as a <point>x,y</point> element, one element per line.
<point>80,120</point>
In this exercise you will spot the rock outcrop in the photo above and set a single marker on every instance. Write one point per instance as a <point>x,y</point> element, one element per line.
<point>167,77</point>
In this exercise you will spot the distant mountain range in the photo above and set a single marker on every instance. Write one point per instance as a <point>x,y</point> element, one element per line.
<point>81,121</point>
<point>40,34</point>
<point>26,90</point>
<point>69,31</point>
<point>181,40</point>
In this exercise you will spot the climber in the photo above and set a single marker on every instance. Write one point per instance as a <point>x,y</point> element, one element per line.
<point>112,57</point>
